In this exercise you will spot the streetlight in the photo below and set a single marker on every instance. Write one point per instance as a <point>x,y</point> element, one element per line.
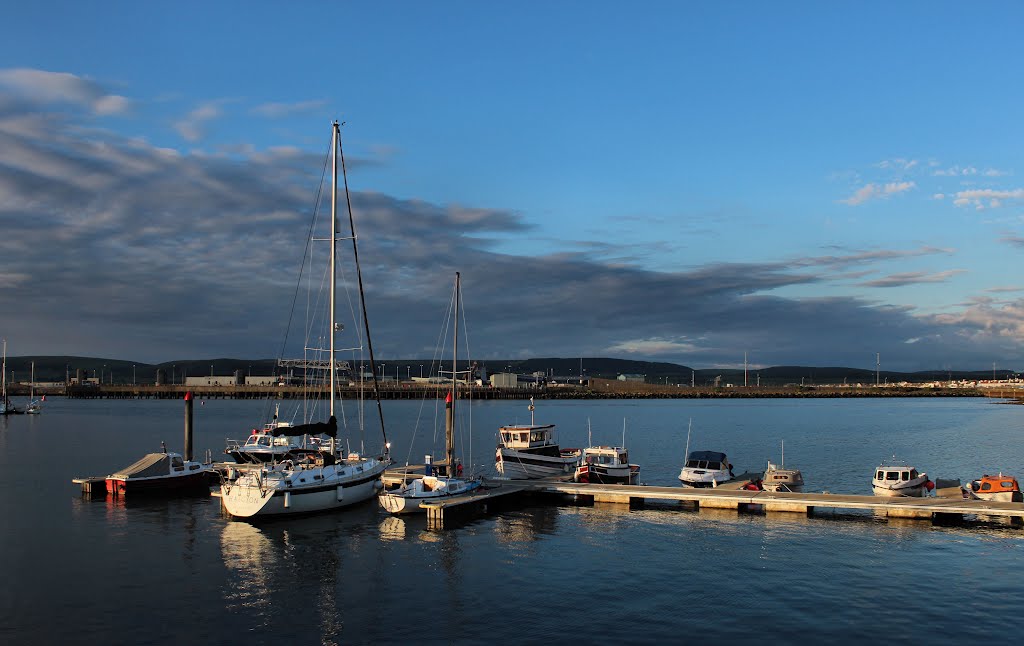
<point>408,371</point>
<point>421,371</point>
<point>133,374</point>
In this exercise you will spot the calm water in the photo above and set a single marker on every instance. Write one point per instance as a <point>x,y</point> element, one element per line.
<point>101,571</point>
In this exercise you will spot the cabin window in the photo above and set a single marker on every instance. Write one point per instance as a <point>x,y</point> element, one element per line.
<point>714,465</point>
<point>524,437</point>
<point>913,473</point>
<point>264,441</point>
<point>985,486</point>
<point>880,475</point>
<point>1006,484</point>
<point>892,476</point>
<point>905,476</point>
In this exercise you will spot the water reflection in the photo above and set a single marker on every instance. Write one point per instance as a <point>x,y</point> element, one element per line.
<point>393,528</point>
<point>252,559</point>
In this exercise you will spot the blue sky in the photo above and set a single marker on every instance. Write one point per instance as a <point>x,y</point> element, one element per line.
<point>808,183</point>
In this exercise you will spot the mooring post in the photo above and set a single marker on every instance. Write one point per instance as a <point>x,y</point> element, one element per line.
<point>188,426</point>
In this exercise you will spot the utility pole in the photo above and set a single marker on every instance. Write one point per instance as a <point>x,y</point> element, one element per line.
<point>744,369</point>
<point>878,366</point>
<point>693,374</point>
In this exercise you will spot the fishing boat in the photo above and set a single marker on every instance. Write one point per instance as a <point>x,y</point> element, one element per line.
<point>607,464</point>
<point>408,499</point>
<point>896,480</point>
<point>778,478</point>
<point>328,479</point>
<point>997,488</point>
<point>531,451</point>
<point>35,406</point>
<point>6,407</point>
<point>160,473</point>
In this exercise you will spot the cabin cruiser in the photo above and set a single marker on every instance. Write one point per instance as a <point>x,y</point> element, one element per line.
<point>705,469</point>
<point>900,480</point>
<point>997,488</point>
<point>607,465</point>
<point>159,473</point>
<point>531,451</point>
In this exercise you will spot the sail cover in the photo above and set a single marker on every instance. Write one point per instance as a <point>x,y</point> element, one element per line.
<point>153,464</point>
<point>328,428</point>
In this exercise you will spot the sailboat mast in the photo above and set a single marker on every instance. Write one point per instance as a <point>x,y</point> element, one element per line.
<point>334,252</point>
<point>449,435</point>
<point>4,377</point>
<point>362,298</point>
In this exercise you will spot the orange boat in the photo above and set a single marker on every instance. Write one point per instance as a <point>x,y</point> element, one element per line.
<point>998,487</point>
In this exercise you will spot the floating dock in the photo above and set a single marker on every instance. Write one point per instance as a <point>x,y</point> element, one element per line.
<point>933,508</point>
<point>476,501</point>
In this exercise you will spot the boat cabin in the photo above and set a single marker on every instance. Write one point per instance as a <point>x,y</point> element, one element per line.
<point>527,437</point>
<point>995,484</point>
<point>609,455</point>
<point>895,474</point>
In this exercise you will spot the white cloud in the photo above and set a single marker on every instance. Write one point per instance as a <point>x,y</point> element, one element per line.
<point>981,198</point>
<point>898,163</point>
<point>278,110</point>
<point>193,126</point>
<point>648,347</point>
<point>40,86</point>
<point>874,191</point>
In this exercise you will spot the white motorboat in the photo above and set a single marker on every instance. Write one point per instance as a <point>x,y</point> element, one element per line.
<point>272,443</point>
<point>319,481</point>
<point>778,478</point>
<point>900,480</point>
<point>407,499</point>
<point>531,451</point>
<point>705,469</point>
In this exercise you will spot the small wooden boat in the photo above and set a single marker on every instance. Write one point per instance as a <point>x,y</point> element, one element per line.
<point>900,480</point>
<point>997,488</point>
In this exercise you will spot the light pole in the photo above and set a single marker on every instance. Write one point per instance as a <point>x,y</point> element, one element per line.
<point>408,372</point>
<point>421,371</point>
<point>382,373</point>
<point>133,374</point>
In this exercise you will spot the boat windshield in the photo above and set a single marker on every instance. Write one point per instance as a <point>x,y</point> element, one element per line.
<point>703,464</point>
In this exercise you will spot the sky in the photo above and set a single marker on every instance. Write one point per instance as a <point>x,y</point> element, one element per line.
<point>797,183</point>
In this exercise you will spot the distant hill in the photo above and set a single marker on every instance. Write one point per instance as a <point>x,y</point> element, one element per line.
<point>57,368</point>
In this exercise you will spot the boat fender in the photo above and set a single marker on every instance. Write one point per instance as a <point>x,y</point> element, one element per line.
<point>929,485</point>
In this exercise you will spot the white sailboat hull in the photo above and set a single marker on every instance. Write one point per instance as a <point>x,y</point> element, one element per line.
<point>913,491</point>
<point>409,499</point>
<point>272,493</point>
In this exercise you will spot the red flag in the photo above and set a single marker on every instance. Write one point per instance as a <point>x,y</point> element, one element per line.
<point>448,399</point>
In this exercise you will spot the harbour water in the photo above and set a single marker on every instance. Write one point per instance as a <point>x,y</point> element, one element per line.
<point>106,571</point>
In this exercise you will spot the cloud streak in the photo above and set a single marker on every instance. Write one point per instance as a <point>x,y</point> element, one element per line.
<point>877,191</point>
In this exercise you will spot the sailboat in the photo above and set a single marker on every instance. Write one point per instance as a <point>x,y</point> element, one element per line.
<point>324,480</point>
<point>35,406</point>
<point>6,407</point>
<point>431,487</point>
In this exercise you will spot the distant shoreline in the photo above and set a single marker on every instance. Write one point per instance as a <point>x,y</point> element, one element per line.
<point>605,390</point>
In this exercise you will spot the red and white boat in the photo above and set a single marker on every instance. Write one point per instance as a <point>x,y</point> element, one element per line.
<point>998,488</point>
<point>160,473</point>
